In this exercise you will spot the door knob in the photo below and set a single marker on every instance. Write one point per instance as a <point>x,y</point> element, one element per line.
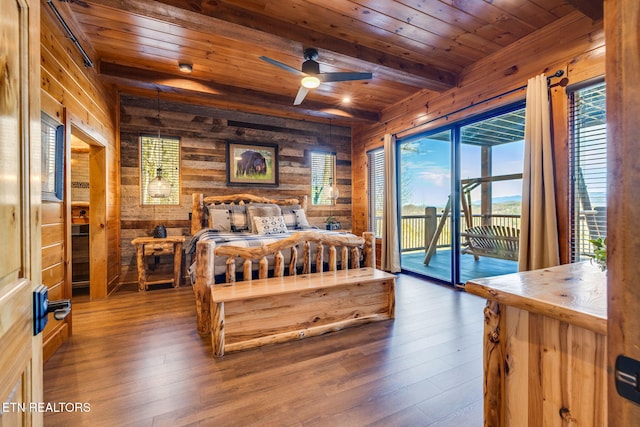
<point>42,307</point>
<point>60,308</point>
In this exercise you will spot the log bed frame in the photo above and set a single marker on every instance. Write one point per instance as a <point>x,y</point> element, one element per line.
<point>325,297</point>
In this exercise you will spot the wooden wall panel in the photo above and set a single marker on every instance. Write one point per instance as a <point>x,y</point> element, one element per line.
<point>204,133</point>
<point>623,209</point>
<point>574,44</point>
<point>75,96</point>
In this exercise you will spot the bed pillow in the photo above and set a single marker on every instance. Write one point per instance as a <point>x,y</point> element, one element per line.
<point>301,218</point>
<point>220,219</point>
<point>261,210</point>
<point>288,213</point>
<point>270,224</point>
<point>238,219</point>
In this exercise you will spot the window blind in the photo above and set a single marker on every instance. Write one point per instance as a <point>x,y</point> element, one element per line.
<point>376,189</point>
<point>588,167</point>
<point>322,178</point>
<point>164,153</point>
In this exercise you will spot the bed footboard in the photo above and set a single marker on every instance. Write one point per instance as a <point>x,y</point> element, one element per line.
<point>355,252</point>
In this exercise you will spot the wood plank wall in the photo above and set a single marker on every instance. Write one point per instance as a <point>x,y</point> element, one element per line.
<point>73,95</point>
<point>574,44</point>
<point>203,133</point>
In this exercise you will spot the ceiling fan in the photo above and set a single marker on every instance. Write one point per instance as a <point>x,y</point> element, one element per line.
<point>311,75</point>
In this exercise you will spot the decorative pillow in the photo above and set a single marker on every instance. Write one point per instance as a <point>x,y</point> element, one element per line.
<point>262,209</point>
<point>238,218</point>
<point>270,224</point>
<point>220,220</point>
<point>288,212</point>
<point>301,218</point>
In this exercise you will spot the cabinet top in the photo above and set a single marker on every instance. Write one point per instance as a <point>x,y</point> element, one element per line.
<point>573,293</point>
<point>147,240</point>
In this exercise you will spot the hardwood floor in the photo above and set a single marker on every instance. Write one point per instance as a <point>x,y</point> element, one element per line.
<point>137,359</point>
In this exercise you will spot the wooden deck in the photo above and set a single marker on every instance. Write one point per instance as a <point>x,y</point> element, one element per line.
<point>440,265</point>
<point>137,359</point>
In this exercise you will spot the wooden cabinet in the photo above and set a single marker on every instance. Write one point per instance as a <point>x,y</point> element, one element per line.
<point>545,344</point>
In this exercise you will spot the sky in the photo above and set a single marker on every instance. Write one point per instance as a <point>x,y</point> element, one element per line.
<point>425,171</point>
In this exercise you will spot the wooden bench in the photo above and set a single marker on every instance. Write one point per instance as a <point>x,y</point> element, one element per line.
<point>309,297</point>
<point>254,313</point>
<point>496,241</point>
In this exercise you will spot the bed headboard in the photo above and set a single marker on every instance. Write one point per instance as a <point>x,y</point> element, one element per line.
<point>199,204</point>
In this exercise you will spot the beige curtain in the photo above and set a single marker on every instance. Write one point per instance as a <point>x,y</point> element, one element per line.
<point>539,229</point>
<point>390,257</point>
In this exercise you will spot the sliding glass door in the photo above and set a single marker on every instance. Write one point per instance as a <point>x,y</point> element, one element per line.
<point>425,206</point>
<point>460,198</point>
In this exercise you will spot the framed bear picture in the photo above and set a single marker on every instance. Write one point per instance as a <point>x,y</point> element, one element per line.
<point>252,164</point>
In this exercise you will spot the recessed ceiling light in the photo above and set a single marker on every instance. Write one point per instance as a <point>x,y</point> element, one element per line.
<point>346,100</point>
<point>185,67</point>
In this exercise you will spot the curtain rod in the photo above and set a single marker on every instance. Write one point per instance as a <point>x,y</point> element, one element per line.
<point>87,61</point>
<point>558,73</point>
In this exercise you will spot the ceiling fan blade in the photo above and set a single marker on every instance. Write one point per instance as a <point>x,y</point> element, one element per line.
<point>283,66</point>
<point>343,77</point>
<point>302,92</point>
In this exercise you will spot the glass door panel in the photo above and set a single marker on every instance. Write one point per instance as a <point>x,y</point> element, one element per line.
<point>425,206</point>
<point>491,154</point>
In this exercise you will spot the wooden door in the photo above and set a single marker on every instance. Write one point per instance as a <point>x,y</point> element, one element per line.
<point>20,259</point>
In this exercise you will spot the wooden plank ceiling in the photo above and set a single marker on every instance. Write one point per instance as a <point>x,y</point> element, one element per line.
<point>408,45</point>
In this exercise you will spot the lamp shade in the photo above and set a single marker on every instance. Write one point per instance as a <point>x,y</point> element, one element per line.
<point>159,187</point>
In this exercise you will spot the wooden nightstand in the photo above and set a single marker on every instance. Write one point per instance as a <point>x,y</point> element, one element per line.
<point>148,246</point>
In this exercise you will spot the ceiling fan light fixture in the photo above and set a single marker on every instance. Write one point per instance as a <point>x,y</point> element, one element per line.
<point>185,67</point>
<point>310,82</point>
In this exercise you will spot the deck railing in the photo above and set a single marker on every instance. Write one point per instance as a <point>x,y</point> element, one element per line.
<point>416,230</point>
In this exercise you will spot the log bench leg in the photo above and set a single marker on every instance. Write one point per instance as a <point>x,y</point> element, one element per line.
<point>217,328</point>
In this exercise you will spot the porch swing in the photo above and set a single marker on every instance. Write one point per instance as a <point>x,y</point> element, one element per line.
<point>495,241</point>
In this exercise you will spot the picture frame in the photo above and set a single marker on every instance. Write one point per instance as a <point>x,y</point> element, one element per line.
<point>52,172</point>
<point>252,164</point>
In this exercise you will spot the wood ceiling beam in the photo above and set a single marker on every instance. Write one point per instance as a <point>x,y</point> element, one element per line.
<point>124,76</point>
<point>279,35</point>
<point>594,9</point>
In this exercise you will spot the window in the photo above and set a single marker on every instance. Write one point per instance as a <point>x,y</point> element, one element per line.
<point>52,137</point>
<point>588,166</point>
<point>376,189</point>
<point>159,153</point>
<point>323,166</point>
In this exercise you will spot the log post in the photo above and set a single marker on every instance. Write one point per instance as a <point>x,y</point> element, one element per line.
<point>294,261</point>
<point>369,249</point>
<point>319,257</point>
<point>247,268</point>
<point>217,330</point>
<point>306,268</point>
<point>263,268</point>
<point>344,258</point>
<point>355,257</point>
<point>333,263</point>
<point>205,279</point>
<point>494,371</point>
<point>231,270</point>
<point>197,212</point>
<point>142,268</point>
<point>278,265</point>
